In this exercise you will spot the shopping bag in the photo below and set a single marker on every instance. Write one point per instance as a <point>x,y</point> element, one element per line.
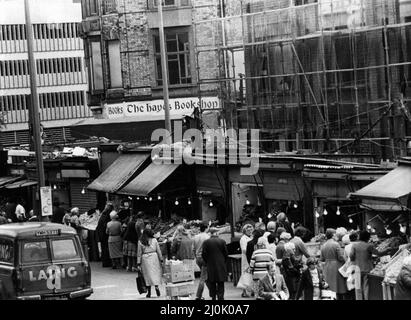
<point>343,269</point>
<point>141,283</point>
<point>246,281</point>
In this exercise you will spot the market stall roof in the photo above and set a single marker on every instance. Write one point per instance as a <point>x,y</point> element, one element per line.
<point>8,179</point>
<point>118,173</point>
<point>394,186</point>
<point>149,179</point>
<point>21,184</point>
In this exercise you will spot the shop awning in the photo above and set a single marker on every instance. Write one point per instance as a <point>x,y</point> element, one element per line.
<point>149,179</point>
<point>21,184</point>
<point>395,186</point>
<point>8,179</point>
<point>118,173</point>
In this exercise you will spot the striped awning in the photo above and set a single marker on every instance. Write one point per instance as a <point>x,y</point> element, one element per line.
<point>118,173</point>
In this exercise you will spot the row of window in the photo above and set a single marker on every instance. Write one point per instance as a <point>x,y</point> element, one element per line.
<point>53,106</point>
<point>11,32</point>
<point>44,66</point>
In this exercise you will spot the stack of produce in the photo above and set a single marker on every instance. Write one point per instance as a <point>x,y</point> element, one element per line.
<point>379,269</point>
<point>319,238</point>
<point>392,243</point>
<point>393,268</point>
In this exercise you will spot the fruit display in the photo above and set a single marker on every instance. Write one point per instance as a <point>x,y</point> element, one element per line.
<point>379,269</point>
<point>393,268</point>
<point>319,238</point>
<point>390,243</point>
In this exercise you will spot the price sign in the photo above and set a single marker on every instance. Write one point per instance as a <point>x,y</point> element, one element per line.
<point>45,199</point>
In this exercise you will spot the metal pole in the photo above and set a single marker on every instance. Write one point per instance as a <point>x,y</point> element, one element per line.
<point>35,116</point>
<point>164,72</point>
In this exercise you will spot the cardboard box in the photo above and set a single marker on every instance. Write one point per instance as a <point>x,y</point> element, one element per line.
<point>179,272</point>
<point>180,289</point>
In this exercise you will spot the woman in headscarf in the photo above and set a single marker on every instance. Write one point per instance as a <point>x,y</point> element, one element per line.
<point>149,258</point>
<point>115,243</point>
<point>247,236</point>
<point>103,236</point>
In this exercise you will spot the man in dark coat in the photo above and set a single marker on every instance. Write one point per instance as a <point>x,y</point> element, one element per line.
<point>103,236</point>
<point>251,245</point>
<point>58,212</point>
<point>215,256</point>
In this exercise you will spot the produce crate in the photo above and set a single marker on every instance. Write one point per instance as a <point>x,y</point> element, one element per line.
<point>180,289</point>
<point>387,291</point>
<point>181,271</point>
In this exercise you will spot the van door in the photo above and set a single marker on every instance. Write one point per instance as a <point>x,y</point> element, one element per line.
<point>68,260</point>
<point>35,259</point>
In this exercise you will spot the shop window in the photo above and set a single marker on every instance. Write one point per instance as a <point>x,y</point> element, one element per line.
<point>178,57</point>
<point>171,3</point>
<point>114,63</point>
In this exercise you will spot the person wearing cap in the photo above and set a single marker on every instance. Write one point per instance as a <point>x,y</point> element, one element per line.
<point>115,243</point>
<point>333,257</point>
<point>215,256</point>
<point>311,282</point>
<point>402,289</point>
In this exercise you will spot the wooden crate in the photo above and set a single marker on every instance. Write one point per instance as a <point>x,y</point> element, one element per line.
<point>180,289</point>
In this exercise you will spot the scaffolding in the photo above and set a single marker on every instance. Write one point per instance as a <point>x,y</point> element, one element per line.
<point>322,75</point>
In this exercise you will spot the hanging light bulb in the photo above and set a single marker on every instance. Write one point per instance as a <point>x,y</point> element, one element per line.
<point>55,187</point>
<point>325,211</point>
<point>338,211</point>
<point>189,201</point>
<point>317,214</point>
<point>247,202</point>
<point>158,197</point>
<point>350,220</point>
<point>138,198</point>
<point>369,227</point>
<point>295,205</point>
<point>176,202</point>
<point>210,204</point>
<point>388,231</point>
<point>150,199</point>
<point>83,191</point>
<point>145,198</point>
<point>130,198</point>
<point>373,230</point>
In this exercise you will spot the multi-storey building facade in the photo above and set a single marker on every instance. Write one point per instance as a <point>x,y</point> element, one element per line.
<point>123,58</point>
<point>61,73</point>
<point>321,75</point>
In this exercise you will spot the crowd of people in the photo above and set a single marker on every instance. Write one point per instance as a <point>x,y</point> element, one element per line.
<point>276,264</point>
<point>275,261</point>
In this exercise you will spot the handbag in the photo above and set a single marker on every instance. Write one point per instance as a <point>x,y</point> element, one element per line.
<point>141,283</point>
<point>246,281</point>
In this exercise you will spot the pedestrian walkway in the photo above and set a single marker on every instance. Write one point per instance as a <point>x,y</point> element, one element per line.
<point>109,284</point>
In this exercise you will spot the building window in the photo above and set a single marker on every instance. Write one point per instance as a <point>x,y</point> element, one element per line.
<point>96,70</point>
<point>178,57</point>
<point>91,7</point>
<point>172,3</point>
<point>109,6</point>
<point>114,63</point>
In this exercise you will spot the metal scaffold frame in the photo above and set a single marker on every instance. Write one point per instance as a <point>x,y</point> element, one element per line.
<point>301,87</point>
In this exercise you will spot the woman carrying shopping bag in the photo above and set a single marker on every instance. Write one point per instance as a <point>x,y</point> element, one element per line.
<point>149,259</point>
